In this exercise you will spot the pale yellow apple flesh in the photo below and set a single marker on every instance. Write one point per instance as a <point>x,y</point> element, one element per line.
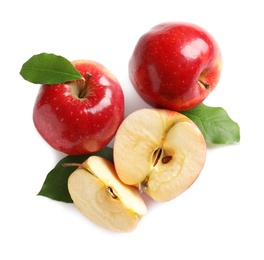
<point>160,151</point>
<point>98,193</point>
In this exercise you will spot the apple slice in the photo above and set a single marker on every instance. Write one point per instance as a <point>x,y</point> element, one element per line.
<point>162,152</point>
<point>98,193</point>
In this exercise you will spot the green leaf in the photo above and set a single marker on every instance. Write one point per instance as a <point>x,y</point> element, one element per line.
<point>56,183</point>
<point>47,68</point>
<point>215,124</point>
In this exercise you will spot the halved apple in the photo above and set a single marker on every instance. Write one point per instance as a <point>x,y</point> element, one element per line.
<point>98,193</point>
<point>162,152</point>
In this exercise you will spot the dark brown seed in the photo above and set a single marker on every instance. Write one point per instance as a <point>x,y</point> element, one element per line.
<point>111,191</point>
<point>166,159</point>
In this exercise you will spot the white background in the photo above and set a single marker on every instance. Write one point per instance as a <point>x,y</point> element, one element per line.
<point>219,217</point>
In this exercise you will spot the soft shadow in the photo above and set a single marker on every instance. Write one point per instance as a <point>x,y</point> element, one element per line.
<point>59,155</point>
<point>148,201</point>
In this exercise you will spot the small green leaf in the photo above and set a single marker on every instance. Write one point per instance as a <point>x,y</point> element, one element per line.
<point>215,124</point>
<point>47,68</point>
<point>56,183</point>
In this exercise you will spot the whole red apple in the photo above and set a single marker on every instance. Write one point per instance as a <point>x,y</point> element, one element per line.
<point>175,65</point>
<point>81,116</point>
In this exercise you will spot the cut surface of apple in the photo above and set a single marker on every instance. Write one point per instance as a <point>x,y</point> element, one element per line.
<point>98,193</point>
<point>160,151</point>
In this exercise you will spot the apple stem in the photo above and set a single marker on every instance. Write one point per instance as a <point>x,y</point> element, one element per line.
<point>85,87</point>
<point>207,86</point>
<point>71,164</point>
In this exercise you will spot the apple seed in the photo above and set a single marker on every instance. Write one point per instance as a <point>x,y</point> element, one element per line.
<point>166,159</point>
<point>156,156</point>
<point>111,191</point>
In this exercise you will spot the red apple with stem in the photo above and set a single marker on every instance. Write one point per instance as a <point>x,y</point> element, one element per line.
<point>80,116</point>
<point>175,65</point>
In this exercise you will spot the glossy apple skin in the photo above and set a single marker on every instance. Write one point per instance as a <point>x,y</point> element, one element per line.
<point>168,61</point>
<point>74,125</point>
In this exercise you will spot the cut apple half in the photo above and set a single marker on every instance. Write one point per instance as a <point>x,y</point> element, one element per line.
<point>162,152</point>
<point>98,193</point>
